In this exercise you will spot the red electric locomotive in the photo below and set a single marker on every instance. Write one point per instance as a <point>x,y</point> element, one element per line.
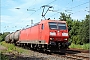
<point>47,34</point>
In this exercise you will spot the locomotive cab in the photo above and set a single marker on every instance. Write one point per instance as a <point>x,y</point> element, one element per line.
<point>58,34</point>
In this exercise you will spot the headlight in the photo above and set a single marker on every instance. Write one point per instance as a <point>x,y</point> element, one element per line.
<point>51,38</point>
<point>64,34</point>
<point>65,39</point>
<point>53,33</point>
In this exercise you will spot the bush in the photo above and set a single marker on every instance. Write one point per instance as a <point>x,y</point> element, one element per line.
<point>2,36</point>
<point>84,46</point>
<point>3,57</point>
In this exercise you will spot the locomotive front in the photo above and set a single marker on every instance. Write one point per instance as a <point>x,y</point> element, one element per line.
<point>58,35</point>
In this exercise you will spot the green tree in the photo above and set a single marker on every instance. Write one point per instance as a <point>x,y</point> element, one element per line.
<point>64,16</point>
<point>74,32</point>
<point>2,36</point>
<point>85,30</point>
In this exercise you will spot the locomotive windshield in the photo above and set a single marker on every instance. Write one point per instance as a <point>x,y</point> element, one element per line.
<point>52,25</point>
<point>55,25</point>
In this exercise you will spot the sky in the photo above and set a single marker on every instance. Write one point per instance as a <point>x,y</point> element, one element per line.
<point>12,19</point>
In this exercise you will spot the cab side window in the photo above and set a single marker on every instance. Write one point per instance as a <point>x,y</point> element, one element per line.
<point>42,27</point>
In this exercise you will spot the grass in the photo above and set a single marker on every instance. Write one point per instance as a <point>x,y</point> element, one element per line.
<point>12,48</point>
<point>84,46</point>
<point>3,57</point>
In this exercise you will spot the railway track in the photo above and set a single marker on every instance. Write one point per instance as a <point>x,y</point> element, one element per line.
<point>79,50</point>
<point>74,55</point>
<point>70,55</point>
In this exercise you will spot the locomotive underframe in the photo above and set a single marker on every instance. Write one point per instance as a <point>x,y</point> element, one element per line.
<point>56,46</point>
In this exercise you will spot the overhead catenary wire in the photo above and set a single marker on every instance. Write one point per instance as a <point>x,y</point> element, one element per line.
<point>47,4</point>
<point>40,8</point>
<point>72,8</point>
<point>28,9</point>
<point>58,10</point>
<point>54,1</point>
<point>89,11</point>
<point>78,5</point>
<point>51,2</point>
<point>33,12</point>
